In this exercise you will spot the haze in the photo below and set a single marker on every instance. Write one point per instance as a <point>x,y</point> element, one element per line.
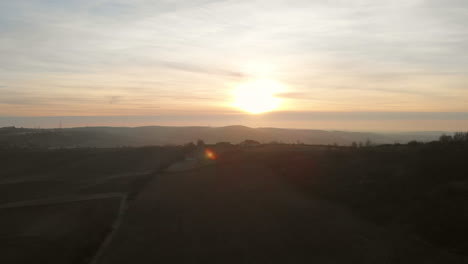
<point>365,65</point>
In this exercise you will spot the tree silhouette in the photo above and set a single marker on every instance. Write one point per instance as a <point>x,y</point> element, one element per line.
<point>200,143</point>
<point>445,138</point>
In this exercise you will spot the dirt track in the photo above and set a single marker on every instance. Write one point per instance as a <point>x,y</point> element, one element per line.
<point>241,213</point>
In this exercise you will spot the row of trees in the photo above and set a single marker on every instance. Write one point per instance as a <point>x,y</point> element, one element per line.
<point>355,144</point>
<point>457,137</point>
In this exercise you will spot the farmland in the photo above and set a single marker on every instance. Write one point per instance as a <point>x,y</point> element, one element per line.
<point>277,204</point>
<point>250,203</point>
<point>59,206</point>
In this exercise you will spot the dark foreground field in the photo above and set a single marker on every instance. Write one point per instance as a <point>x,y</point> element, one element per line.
<point>253,204</point>
<point>55,233</point>
<point>60,206</point>
<point>258,206</point>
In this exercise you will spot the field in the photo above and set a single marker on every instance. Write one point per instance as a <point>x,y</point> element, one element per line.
<point>55,233</point>
<point>260,203</point>
<point>270,204</point>
<point>59,206</point>
<point>417,189</point>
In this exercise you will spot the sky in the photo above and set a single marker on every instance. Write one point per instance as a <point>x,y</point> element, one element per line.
<point>354,65</point>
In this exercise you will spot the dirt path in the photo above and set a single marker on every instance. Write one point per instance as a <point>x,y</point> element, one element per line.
<point>242,213</point>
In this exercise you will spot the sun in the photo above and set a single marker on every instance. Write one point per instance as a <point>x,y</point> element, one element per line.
<point>258,96</point>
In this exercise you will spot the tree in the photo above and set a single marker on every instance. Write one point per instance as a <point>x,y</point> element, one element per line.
<point>354,144</point>
<point>460,136</point>
<point>368,143</point>
<point>414,143</point>
<point>200,143</point>
<point>445,138</point>
<point>189,146</point>
<point>249,142</point>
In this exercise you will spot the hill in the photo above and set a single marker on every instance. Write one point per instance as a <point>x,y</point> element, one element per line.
<point>162,135</point>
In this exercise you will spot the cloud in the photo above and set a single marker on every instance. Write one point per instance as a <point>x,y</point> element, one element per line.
<point>185,55</point>
<point>44,100</point>
<point>114,99</point>
<point>200,69</point>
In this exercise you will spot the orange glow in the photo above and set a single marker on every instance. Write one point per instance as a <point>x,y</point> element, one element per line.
<point>210,154</point>
<point>258,96</point>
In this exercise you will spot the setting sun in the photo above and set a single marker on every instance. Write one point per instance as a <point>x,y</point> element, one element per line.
<point>258,96</point>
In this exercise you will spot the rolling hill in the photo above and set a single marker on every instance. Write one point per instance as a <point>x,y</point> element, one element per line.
<point>162,135</point>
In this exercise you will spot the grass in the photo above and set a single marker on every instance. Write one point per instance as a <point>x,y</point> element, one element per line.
<point>59,233</point>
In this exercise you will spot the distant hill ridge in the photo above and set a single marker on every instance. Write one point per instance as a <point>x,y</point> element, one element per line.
<point>163,135</point>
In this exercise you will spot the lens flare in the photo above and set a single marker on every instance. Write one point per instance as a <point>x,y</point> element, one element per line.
<point>210,154</point>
